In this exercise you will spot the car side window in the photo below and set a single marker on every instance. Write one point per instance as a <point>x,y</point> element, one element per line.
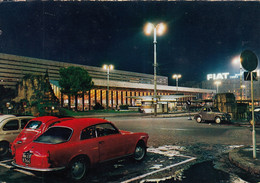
<point>24,122</point>
<point>11,125</point>
<point>106,129</point>
<point>88,133</point>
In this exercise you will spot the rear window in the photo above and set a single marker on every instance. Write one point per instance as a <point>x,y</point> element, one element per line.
<point>55,135</point>
<point>33,125</point>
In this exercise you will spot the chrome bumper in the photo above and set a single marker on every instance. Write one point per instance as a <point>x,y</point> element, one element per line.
<point>38,169</point>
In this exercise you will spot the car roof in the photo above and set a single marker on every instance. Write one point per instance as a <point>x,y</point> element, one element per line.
<point>81,122</point>
<point>44,119</point>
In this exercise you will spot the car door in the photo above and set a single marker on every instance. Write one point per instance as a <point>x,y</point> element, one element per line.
<point>110,142</point>
<point>11,129</point>
<point>207,114</point>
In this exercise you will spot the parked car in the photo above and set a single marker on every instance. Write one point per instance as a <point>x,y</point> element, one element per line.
<point>79,144</point>
<point>212,114</point>
<point>10,127</point>
<point>35,128</point>
<point>256,116</point>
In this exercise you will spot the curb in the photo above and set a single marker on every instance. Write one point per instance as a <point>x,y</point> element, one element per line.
<point>243,158</point>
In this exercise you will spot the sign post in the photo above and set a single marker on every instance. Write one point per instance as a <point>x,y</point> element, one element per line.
<point>249,62</point>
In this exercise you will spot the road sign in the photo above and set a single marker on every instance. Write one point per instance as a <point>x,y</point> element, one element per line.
<point>248,60</point>
<point>247,76</point>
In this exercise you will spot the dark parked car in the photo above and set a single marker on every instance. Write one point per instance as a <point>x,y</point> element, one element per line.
<point>212,114</point>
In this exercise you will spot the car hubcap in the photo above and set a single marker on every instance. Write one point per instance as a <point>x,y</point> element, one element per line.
<point>139,153</point>
<point>217,120</point>
<point>198,120</point>
<point>78,170</point>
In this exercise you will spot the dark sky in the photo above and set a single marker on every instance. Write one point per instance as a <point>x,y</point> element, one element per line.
<point>201,38</point>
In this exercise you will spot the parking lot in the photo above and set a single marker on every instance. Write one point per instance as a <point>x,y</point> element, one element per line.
<point>125,170</point>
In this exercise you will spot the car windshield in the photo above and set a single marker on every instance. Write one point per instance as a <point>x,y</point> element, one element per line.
<point>33,125</point>
<point>215,109</point>
<point>55,135</point>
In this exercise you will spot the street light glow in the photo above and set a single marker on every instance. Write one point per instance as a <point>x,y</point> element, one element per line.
<point>175,76</point>
<point>236,60</point>
<point>148,29</point>
<point>160,28</point>
<point>110,67</point>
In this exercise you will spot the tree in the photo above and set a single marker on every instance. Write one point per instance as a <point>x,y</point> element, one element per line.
<point>74,80</point>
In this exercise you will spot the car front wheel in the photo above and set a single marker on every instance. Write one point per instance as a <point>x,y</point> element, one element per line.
<point>140,151</point>
<point>78,168</point>
<point>198,119</point>
<point>218,120</point>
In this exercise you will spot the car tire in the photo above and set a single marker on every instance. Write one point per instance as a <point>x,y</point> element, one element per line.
<point>140,151</point>
<point>217,120</point>
<point>4,148</point>
<point>78,168</point>
<point>198,119</point>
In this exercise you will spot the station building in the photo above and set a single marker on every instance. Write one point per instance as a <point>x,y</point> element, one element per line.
<point>124,86</point>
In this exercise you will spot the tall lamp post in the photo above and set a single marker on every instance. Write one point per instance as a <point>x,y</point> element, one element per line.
<point>158,29</point>
<point>107,68</point>
<point>217,83</point>
<point>176,76</point>
<point>237,60</point>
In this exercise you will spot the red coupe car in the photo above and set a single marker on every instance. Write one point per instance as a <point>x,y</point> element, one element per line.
<point>77,145</point>
<point>34,129</point>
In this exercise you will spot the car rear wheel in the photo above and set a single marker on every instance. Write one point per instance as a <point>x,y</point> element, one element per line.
<point>198,119</point>
<point>4,148</point>
<point>78,168</point>
<point>140,151</point>
<point>218,120</point>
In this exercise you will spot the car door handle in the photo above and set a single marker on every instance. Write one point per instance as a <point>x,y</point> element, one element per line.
<point>101,142</point>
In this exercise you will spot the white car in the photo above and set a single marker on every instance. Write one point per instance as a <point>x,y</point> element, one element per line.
<point>10,127</point>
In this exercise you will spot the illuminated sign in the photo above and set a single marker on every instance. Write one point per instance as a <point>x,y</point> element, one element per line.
<point>219,76</point>
<point>225,75</point>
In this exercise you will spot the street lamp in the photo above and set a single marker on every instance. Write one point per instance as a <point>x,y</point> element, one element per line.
<point>176,76</point>
<point>217,83</point>
<point>107,68</point>
<point>237,60</point>
<point>158,29</point>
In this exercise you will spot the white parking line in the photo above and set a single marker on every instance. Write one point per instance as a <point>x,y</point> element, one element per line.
<point>156,171</point>
<point>2,163</point>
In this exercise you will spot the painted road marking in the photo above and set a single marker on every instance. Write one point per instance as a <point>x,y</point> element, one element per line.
<point>2,163</point>
<point>170,151</point>
<point>156,171</point>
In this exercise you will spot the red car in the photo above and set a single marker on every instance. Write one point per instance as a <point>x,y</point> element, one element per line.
<point>34,129</point>
<point>77,145</point>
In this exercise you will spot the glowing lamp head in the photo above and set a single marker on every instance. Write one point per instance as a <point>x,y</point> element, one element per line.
<point>161,28</point>
<point>175,76</point>
<point>110,67</point>
<point>148,29</point>
<point>217,83</point>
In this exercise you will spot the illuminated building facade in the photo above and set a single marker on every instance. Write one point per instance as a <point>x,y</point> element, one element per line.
<point>233,84</point>
<point>123,85</point>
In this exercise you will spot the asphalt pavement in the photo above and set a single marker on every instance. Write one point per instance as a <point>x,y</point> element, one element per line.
<point>241,157</point>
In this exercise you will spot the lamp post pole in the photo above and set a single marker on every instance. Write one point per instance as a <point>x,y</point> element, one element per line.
<point>148,29</point>
<point>155,77</point>
<point>108,68</point>
<point>176,76</point>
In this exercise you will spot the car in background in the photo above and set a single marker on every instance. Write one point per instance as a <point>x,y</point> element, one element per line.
<point>79,144</point>
<point>256,116</point>
<point>208,113</point>
<point>10,127</point>
<point>35,128</point>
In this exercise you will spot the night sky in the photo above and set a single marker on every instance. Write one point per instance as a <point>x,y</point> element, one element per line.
<point>201,37</point>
